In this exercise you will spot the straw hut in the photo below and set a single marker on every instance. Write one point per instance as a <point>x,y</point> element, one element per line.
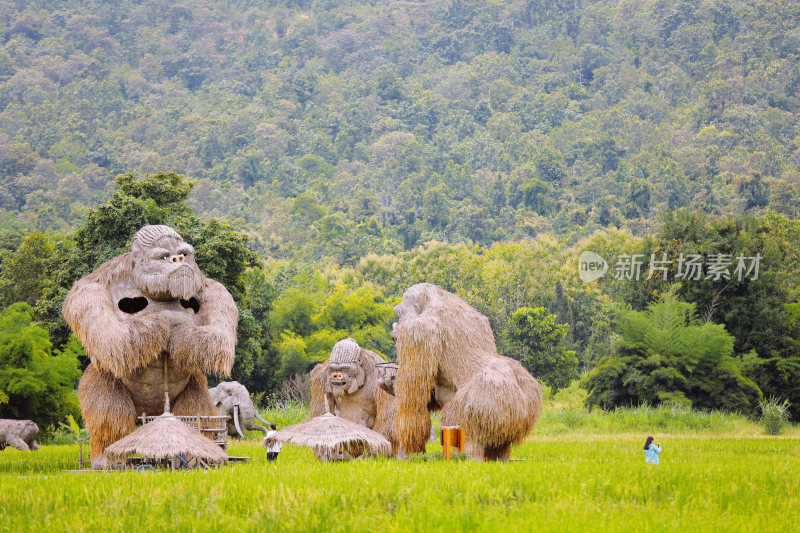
<point>167,439</point>
<point>333,438</point>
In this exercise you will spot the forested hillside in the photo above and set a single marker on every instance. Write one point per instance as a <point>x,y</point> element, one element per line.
<point>324,156</point>
<point>341,128</point>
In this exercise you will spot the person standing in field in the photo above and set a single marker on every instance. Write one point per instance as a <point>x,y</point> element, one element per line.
<point>651,451</point>
<point>275,448</point>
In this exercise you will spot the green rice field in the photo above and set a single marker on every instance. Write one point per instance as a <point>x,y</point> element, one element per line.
<point>578,471</point>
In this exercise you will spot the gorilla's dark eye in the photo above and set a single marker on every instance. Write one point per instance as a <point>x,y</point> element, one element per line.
<point>191,303</point>
<point>132,305</point>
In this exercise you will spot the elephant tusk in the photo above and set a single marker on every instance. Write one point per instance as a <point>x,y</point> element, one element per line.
<point>236,420</point>
<point>259,417</point>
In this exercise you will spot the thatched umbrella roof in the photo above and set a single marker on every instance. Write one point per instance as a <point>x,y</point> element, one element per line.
<point>331,436</point>
<point>167,437</point>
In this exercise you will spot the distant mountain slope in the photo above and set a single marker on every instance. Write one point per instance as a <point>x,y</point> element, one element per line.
<point>338,128</point>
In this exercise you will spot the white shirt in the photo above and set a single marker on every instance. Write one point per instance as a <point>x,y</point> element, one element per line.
<point>277,445</point>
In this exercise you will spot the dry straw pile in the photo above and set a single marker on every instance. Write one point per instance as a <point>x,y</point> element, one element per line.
<point>333,437</point>
<point>166,438</point>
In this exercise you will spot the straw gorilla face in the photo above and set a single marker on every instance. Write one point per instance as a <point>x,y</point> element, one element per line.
<point>345,378</point>
<point>166,269</point>
<point>346,373</point>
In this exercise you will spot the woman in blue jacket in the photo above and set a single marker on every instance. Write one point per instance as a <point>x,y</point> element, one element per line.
<point>651,451</point>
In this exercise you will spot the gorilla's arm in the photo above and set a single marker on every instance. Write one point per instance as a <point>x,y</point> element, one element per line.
<point>212,344</point>
<point>418,349</point>
<point>386,408</point>
<point>116,346</point>
<point>318,377</point>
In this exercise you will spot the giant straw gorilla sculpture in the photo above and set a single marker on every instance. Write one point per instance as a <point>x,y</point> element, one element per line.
<point>447,360</point>
<point>136,310</point>
<point>349,381</point>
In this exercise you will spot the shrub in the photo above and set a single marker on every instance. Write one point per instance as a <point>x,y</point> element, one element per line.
<point>296,389</point>
<point>69,433</point>
<point>774,415</point>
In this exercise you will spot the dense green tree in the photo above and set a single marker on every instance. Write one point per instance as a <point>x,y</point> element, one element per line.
<point>550,165</point>
<point>760,262</point>
<point>666,354</point>
<point>539,340</point>
<point>259,300</point>
<point>272,102</point>
<point>292,353</point>
<point>535,197</point>
<point>309,323</point>
<point>24,274</point>
<point>639,197</point>
<point>294,311</point>
<point>35,383</point>
<point>754,191</point>
<point>345,309</point>
<point>388,85</point>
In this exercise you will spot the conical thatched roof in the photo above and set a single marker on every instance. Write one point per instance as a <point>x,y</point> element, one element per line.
<point>331,436</point>
<point>164,438</point>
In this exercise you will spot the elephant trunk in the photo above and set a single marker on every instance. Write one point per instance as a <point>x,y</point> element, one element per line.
<point>236,421</point>
<point>259,417</point>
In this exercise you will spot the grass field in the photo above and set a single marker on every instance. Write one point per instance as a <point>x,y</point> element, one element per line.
<point>578,471</point>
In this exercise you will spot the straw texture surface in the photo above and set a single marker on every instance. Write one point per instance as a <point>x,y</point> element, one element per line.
<point>446,346</point>
<point>333,435</point>
<point>164,438</point>
<point>135,310</point>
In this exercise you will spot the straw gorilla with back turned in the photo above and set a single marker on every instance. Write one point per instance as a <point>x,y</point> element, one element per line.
<point>447,360</point>
<point>136,310</point>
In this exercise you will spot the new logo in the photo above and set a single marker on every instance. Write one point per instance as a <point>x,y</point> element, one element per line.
<point>591,266</point>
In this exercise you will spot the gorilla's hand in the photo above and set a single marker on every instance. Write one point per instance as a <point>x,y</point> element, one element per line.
<point>387,383</point>
<point>209,347</point>
<point>176,318</point>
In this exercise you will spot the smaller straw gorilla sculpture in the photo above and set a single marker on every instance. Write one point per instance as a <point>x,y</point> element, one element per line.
<point>348,379</point>
<point>447,360</point>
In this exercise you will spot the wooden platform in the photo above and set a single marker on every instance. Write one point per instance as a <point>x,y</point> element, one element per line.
<point>213,427</point>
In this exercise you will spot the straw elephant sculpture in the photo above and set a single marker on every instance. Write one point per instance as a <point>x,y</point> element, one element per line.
<point>447,359</point>
<point>232,399</point>
<point>19,434</point>
<point>348,380</point>
<point>132,313</point>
